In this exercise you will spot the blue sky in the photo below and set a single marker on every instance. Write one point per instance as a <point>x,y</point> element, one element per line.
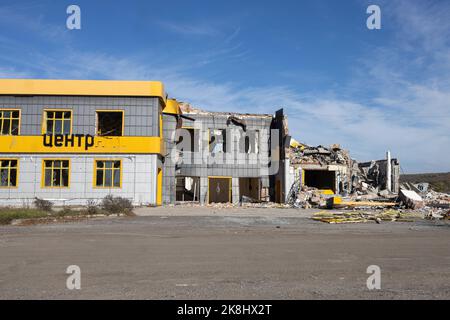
<point>369,90</point>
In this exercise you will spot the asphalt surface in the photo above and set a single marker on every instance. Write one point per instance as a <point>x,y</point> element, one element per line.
<point>191,253</point>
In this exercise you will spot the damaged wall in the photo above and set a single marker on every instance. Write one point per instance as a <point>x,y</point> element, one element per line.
<point>333,168</point>
<point>375,173</point>
<point>250,159</point>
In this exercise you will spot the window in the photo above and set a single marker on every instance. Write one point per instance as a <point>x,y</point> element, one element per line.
<point>107,173</point>
<point>218,141</point>
<point>9,122</point>
<point>56,173</point>
<point>8,172</point>
<point>251,142</point>
<point>110,123</point>
<point>57,122</point>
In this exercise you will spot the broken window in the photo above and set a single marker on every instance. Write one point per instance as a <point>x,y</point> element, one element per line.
<point>188,188</point>
<point>109,123</point>
<point>56,173</point>
<point>190,136</point>
<point>218,141</point>
<point>107,173</point>
<point>251,142</point>
<point>250,188</point>
<point>9,122</point>
<point>8,173</point>
<point>58,122</point>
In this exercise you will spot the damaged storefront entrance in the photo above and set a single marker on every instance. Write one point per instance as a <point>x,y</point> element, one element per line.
<point>219,189</point>
<point>188,189</point>
<point>320,179</point>
<point>250,188</point>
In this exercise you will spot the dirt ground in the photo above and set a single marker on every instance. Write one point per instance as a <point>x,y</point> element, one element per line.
<point>209,253</point>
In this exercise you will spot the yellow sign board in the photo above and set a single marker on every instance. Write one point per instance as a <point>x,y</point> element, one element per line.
<point>80,144</point>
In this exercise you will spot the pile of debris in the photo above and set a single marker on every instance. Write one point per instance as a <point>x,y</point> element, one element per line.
<point>365,216</point>
<point>437,199</point>
<point>309,197</point>
<point>304,154</point>
<point>368,180</point>
<point>408,206</point>
<point>434,205</point>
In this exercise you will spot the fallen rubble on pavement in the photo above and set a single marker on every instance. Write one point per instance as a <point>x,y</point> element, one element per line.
<point>335,217</point>
<point>411,199</point>
<point>409,206</point>
<point>363,191</point>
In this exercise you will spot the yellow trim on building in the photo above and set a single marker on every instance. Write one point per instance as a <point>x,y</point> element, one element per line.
<point>52,168</point>
<point>9,173</point>
<point>172,107</point>
<point>82,88</point>
<point>160,125</point>
<point>159,186</point>
<point>128,144</point>
<point>94,180</point>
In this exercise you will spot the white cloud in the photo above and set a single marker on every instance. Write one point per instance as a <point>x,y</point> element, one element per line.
<point>189,28</point>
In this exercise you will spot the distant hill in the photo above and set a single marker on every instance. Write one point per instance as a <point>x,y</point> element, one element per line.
<point>438,181</point>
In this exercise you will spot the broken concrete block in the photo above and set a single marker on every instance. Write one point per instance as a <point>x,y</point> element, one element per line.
<point>411,199</point>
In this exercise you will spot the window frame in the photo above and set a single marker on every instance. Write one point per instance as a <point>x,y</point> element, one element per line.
<point>44,120</point>
<point>224,141</point>
<point>94,180</point>
<point>69,168</point>
<point>109,110</point>
<point>11,118</point>
<point>9,174</point>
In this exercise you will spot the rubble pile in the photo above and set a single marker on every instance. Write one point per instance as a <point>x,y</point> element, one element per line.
<point>365,216</point>
<point>436,205</point>
<point>437,199</point>
<point>304,154</point>
<point>366,180</point>
<point>309,197</point>
<point>363,194</point>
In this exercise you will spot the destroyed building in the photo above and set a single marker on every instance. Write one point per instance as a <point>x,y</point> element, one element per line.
<point>220,157</point>
<point>332,171</point>
<point>380,175</point>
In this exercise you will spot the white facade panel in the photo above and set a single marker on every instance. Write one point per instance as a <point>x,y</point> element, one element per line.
<point>139,180</point>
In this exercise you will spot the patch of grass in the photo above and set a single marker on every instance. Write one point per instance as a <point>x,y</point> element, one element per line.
<point>44,209</point>
<point>66,211</point>
<point>9,214</point>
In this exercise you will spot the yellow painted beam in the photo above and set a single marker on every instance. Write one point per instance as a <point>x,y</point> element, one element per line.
<point>84,144</point>
<point>82,88</point>
<point>159,187</point>
<point>172,107</point>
